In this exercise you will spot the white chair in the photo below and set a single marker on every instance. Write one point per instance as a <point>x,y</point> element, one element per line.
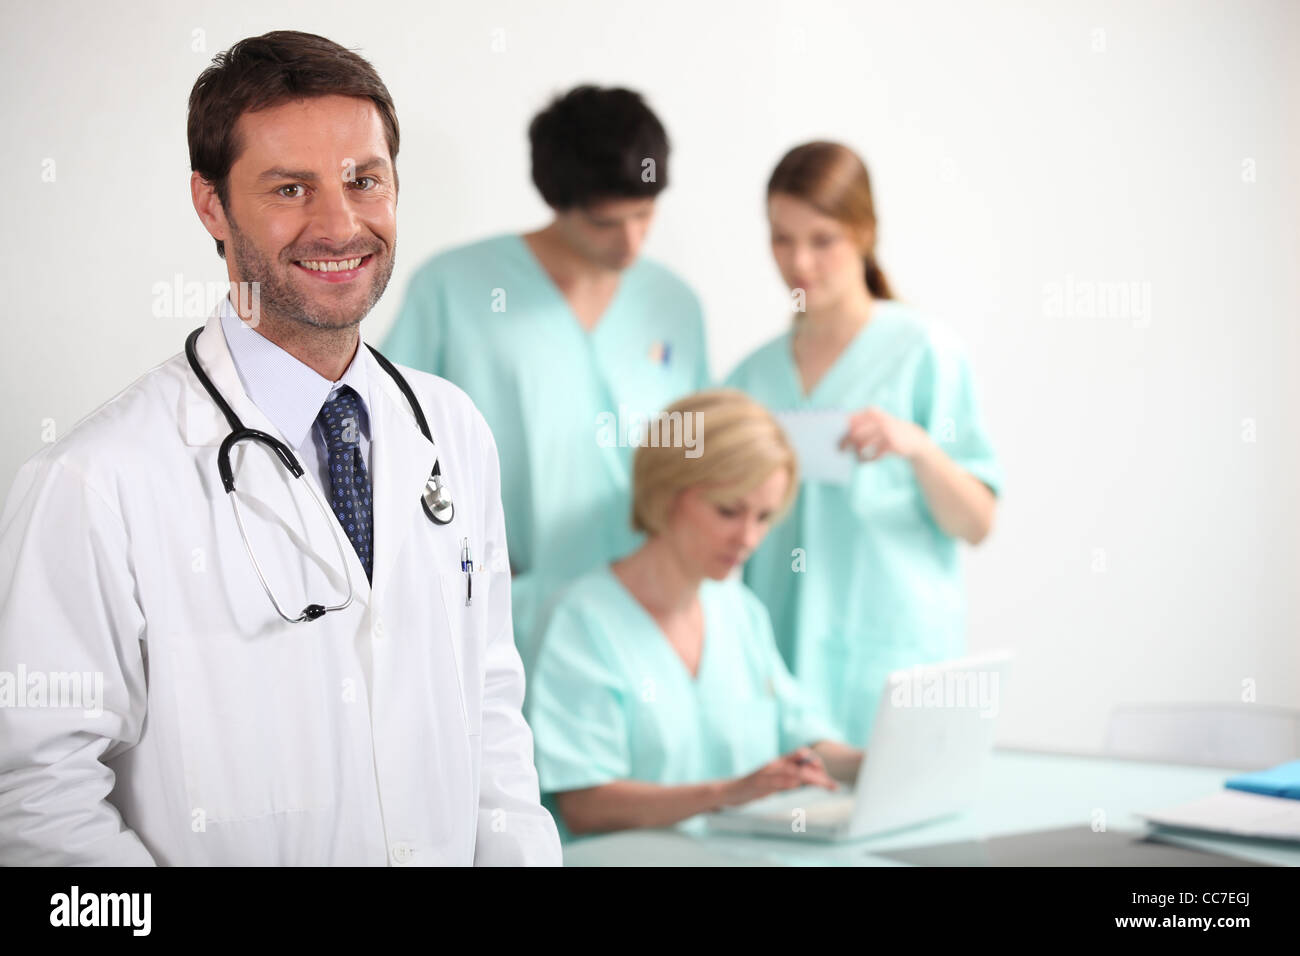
<point>1244,736</point>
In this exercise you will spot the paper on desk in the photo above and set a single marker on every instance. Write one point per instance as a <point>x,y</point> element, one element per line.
<point>815,434</point>
<point>1235,812</point>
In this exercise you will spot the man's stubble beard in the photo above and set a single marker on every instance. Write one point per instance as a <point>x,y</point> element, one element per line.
<point>282,302</point>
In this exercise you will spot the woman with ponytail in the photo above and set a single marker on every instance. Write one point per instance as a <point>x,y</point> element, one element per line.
<point>864,577</point>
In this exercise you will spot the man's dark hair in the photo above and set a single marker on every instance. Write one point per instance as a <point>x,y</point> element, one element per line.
<point>261,72</point>
<point>593,144</point>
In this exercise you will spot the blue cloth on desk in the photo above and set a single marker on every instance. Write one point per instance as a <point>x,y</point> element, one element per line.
<point>1280,781</point>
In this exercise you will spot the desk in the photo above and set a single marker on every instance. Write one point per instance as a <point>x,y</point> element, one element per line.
<point>1023,791</point>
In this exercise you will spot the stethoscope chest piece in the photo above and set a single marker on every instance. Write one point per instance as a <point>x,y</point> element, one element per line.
<point>437,502</point>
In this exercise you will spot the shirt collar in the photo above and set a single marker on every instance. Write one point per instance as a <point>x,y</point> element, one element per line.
<point>288,392</point>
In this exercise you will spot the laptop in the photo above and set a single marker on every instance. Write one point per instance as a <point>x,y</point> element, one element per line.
<point>926,758</point>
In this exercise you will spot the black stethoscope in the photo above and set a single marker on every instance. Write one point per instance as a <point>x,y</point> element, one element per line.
<point>435,498</point>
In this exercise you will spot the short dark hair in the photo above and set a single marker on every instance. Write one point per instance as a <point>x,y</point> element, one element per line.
<point>261,72</point>
<point>592,144</point>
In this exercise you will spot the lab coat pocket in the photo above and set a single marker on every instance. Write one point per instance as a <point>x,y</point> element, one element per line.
<point>258,723</point>
<point>467,633</point>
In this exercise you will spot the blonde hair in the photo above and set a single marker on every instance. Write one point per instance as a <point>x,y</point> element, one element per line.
<point>740,444</point>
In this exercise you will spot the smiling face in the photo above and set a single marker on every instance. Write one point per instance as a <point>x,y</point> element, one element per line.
<point>609,233</point>
<point>814,252</point>
<point>712,538</point>
<point>312,210</point>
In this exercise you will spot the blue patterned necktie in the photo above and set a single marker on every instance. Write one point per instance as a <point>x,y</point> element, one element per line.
<point>340,416</point>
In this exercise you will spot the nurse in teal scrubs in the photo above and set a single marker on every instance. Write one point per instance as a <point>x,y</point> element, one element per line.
<point>658,693</point>
<point>864,577</point>
<point>565,338</point>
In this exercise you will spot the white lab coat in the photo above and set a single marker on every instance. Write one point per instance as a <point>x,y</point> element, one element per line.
<point>389,732</point>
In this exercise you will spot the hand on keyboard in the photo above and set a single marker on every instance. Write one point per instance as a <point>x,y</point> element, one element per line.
<point>799,768</point>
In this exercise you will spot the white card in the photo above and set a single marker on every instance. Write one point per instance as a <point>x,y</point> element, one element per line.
<point>815,434</point>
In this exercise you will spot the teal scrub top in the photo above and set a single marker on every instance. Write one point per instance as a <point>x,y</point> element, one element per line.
<point>610,699</point>
<point>858,578</point>
<point>561,402</point>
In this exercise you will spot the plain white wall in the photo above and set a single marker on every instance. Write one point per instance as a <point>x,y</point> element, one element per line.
<point>1146,548</point>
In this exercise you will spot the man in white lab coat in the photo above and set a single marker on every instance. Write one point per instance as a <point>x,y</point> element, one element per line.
<point>155,707</point>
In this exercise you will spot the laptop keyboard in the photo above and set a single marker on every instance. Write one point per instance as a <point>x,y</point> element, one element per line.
<point>823,812</point>
<point>831,811</point>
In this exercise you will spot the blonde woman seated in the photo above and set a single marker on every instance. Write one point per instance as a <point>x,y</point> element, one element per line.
<point>658,692</point>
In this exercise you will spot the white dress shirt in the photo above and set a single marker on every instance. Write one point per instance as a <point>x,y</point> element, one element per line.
<point>291,393</point>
